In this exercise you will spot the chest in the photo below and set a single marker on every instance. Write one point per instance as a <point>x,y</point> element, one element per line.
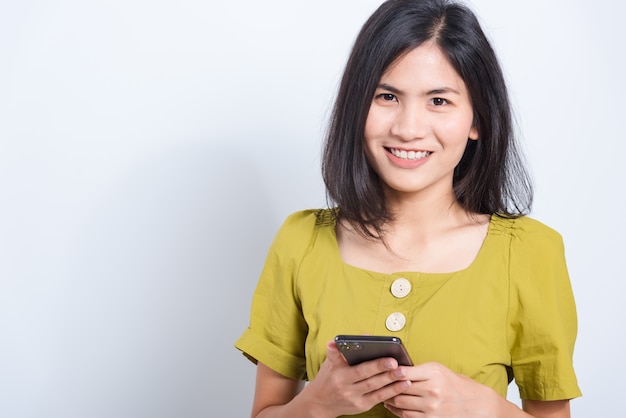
<point>443,253</point>
<point>457,319</point>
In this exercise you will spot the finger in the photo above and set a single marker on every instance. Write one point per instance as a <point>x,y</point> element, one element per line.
<point>371,368</point>
<point>400,412</point>
<point>365,369</point>
<point>425,371</point>
<point>388,391</point>
<point>407,402</point>
<point>386,380</point>
<point>334,355</point>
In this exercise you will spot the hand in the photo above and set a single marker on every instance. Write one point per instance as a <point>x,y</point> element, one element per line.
<point>341,389</point>
<point>436,391</point>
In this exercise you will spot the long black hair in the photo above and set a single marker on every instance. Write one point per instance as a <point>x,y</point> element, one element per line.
<point>490,178</point>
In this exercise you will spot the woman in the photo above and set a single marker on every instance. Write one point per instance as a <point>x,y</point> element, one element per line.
<point>427,241</point>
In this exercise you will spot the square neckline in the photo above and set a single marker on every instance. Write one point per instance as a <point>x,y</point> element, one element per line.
<point>493,228</point>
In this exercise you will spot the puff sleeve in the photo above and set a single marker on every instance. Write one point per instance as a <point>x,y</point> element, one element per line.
<point>542,316</point>
<point>277,331</point>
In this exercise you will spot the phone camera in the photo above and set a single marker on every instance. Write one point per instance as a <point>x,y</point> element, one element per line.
<point>353,346</point>
<point>350,346</point>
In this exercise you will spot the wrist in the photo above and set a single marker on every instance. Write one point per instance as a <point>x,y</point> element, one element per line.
<point>307,406</point>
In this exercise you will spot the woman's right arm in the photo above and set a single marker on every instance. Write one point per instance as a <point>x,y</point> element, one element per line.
<point>273,393</point>
<point>338,389</point>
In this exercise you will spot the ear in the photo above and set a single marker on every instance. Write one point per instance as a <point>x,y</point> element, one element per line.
<point>473,134</point>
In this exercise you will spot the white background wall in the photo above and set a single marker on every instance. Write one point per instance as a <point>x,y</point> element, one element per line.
<point>149,150</point>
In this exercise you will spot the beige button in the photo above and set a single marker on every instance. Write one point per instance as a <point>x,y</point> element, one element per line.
<point>395,321</point>
<point>400,287</point>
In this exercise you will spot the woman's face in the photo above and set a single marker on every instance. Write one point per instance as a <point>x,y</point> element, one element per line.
<point>419,122</point>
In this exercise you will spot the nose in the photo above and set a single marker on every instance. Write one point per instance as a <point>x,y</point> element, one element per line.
<point>409,123</point>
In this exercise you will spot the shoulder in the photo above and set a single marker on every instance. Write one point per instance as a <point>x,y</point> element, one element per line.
<point>305,221</point>
<point>527,232</point>
<point>310,218</point>
<point>536,253</point>
<point>300,228</point>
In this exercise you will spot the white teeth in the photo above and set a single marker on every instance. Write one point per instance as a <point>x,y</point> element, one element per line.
<point>409,155</point>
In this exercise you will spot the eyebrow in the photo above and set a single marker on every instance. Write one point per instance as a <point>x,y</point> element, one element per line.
<point>443,90</point>
<point>439,90</point>
<point>389,88</point>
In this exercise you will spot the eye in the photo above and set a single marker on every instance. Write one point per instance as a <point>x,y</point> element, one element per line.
<point>438,101</point>
<point>387,97</point>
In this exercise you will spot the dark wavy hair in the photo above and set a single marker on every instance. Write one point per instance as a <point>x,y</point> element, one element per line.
<point>490,178</point>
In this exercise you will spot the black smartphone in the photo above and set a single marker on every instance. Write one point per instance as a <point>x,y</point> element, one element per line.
<point>359,348</point>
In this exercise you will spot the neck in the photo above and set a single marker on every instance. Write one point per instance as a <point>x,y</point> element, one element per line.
<point>425,212</point>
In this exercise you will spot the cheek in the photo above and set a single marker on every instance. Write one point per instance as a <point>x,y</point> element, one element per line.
<point>369,144</point>
<point>370,125</point>
<point>367,150</point>
<point>370,132</point>
<point>459,129</point>
<point>376,121</point>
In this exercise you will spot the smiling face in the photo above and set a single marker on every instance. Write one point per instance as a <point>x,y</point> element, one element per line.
<point>418,123</point>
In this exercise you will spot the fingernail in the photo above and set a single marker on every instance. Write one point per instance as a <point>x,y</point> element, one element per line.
<point>389,364</point>
<point>399,373</point>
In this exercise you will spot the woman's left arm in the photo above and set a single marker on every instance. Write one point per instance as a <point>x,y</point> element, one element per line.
<point>437,391</point>
<point>547,409</point>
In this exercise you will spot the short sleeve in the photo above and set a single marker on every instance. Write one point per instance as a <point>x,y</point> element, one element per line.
<point>277,331</point>
<point>542,314</point>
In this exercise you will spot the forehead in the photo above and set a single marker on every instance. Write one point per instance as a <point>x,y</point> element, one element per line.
<point>425,64</point>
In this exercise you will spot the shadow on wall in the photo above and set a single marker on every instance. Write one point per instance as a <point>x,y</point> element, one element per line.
<point>159,289</point>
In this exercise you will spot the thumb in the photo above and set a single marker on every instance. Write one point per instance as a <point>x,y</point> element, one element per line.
<point>333,354</point>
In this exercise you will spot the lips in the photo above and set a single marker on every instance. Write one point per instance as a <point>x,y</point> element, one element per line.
<point>408,155</point>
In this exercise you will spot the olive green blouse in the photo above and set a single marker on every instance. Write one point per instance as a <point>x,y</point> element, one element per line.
<point>509,315</point>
